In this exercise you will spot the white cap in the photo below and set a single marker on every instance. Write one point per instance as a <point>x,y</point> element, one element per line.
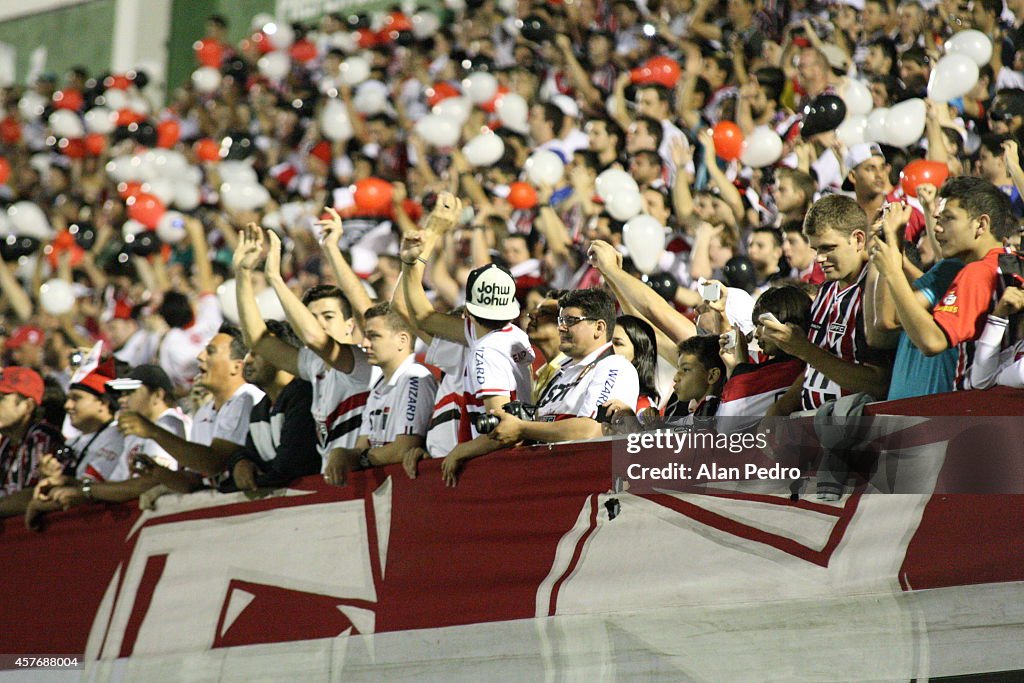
<point>491,293</point>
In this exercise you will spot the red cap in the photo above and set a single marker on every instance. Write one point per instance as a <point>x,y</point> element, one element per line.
<point>96,381</point>
<point>26,334</point>
<point>23,381</point>
<point>322,151</point>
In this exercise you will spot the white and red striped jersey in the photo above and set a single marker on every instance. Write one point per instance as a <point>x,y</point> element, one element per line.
<point>837,325</point>
<point>581,386</point>
<point>101,456</point>
<point>231,422</point>
<point>500,363</point>
<point>753,388</point>
<point>338,398</point>
<point>399,406</point>
<point>449,424</point>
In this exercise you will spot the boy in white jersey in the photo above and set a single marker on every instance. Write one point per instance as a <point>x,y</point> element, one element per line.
<point>322,319</point>
<point>500,359</point>
<point>591,377</point>
<point>398,410</point>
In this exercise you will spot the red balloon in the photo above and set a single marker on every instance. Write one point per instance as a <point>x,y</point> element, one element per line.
<point>659,70</point>
<point>117,82</point>
<point>522,195</point>
<point>397,21</point>
<point>72,148</point>
<point>129,188</point>
<point>303,51</point>
<point>367,38</point>
<point>95,143</point>
<point>5,170</point>
<point>491,105</point>
<point>168,133</point>
<point>920,172</point>
<point>440,91</point>
<point>728,140</point>
<point>209,52</point>
<point>68,99</point>
<point>146,209</point>
<point>10,131</point>
<point>126,117</point>
<point>207,149</point>
<point>373,196</point>
<point>262,42</point>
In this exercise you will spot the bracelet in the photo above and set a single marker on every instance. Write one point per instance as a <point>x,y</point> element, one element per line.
<point>87,489</point>
<point>420,259</point>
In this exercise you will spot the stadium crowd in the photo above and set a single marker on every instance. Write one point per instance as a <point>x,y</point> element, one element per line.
<point>376,240</point>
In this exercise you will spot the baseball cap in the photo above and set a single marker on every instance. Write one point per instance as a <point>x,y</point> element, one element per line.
<point>149,376</point>
<point>26,334</point>
<point>95,382</point>
<point>857,155</point>
<point>837,59</point>
<point>491,293</point>
<point>23,381</point>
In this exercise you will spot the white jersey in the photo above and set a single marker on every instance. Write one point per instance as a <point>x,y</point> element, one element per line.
<point>399,406</point>
<point>449,424</point>
<point>581,386</point>
<point>500,364</point>
<point>338,398</point>
<point>231,422</point>
<point>174,421</point>
<point>181,347</point>
<point>140,349</point>
<point>101,455</point>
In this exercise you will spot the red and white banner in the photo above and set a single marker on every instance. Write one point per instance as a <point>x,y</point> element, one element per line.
<point>519,574</point>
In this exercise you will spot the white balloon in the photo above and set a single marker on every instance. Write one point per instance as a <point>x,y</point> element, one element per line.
<point>260,20</point>
<point>545,167</point>
<point>614,180</point>
<point>456,108</point>
<point>334,121</point>
<point>118,99</point>
<point>120,169</point>
<point>31,105</point>
<point>237,172</point>
<point>40,161</point>
<point>56,297</point>
<point>66,124</point>
<point>139,104</point>
<point>186,195</point>
<point>904,125</point>
<point>275,65</point>
<point>512,109</point>
<point>131,228</point>
<point>281,34</point>
<point>439,131</point>
<point>761,148</point>
<point>269,305</point>
<point>228,300</point>
<point>171,228</point>
<point>480,87</point>
<point>875,130</point>
<point>484,150</point>
<point>857,97</point>
<point>954,75</point>
<point>371,98</point>
<point>425,24</point>
<point>455,5</point>
<point>972,43</point>
<point>354,70</point>
<point>851,131</point>
<point>29,220</point>
<point>174,164</point>
<point>161,188</point>
<point>344,41</point>
<point>206,79</point>
<point>644,237</point>
<point>100,120</point>
<point>243,196</point>
<point>624,204</point>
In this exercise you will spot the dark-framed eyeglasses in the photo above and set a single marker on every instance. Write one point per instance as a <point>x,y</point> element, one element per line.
<point>568,321</point>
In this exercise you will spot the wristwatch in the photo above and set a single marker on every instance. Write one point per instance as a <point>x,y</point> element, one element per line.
<point>364,459</point>
<point>87,489</point>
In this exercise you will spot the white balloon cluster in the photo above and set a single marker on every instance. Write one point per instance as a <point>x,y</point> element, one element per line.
<point>166,172</point>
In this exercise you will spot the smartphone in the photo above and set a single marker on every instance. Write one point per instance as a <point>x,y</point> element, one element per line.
<point>711,291</point>
<point>730,340</point>
<point>602,414</point>
<point>768,316</point>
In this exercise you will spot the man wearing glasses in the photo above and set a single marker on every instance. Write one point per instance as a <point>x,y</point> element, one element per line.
<point>591,377</point>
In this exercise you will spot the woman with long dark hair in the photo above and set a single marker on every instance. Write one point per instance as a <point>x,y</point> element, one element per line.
<point>634,340</point>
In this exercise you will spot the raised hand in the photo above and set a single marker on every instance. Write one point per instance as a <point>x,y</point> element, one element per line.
<point>273,265</point>
<point>604,256</point>
<point>330,228</point>
<point>249,248</point>
<point>445,215</point>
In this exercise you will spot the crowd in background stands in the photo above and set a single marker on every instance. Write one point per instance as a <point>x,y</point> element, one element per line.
<point>181,311</point>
